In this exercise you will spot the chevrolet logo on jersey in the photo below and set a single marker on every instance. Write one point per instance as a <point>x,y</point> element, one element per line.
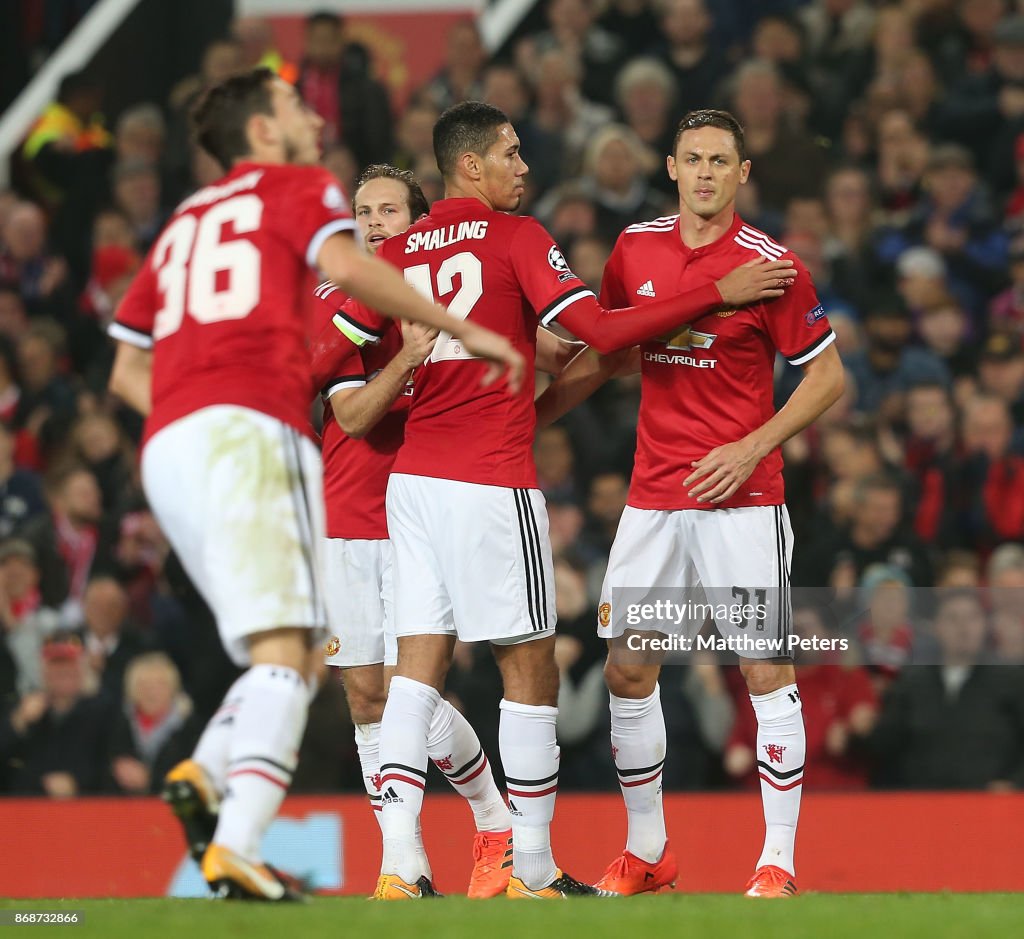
<point>691,339</point>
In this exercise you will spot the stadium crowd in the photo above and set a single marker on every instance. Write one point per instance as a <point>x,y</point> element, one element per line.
<point>887,148</point>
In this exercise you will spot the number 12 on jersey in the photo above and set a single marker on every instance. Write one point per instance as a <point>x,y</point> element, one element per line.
<point>471,288</point>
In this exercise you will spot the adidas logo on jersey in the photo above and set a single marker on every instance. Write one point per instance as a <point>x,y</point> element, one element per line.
<point>646,290</point>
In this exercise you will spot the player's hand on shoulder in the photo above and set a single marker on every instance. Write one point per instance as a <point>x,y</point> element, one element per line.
<point>417,343</point>
<point>756,280</point>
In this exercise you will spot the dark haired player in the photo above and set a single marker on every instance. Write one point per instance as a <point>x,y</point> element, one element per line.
<point>468,524</point>
<point>706,516</point>
<point>211,347</point>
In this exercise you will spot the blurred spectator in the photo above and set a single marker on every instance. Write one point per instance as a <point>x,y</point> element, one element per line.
<point>572,29</point>
<point>336,80</point>
<point>956,220</point>
<point>552,451</point>
<point>66,539</point>
<point>570,213</point>
<point>459,78</point>
<point>959,569</point>
<point>46,395</point>
<point>68,138</point>
<point>605,503</point>
<point>930,458</point>
<point>902,158</point>
<point>21,496</point>
<point>110,641</point>
<point>875,535</point>
<point>140,134</point>
<point>565,122</point>
<point>888,365</point>
<point>645,92</point>
<point>137,193</point>
<point>53,741</point>
<point>13,320</point>
<point>886,631</point>
<point>633,21</point>
<point>991,475</point>
<point>255,38</point>
<point>687,48</point>
<point>786,162</point>
<point>979,708</point>
<point>98,443</point>
<point>1006,311</point>
<point>1004,574</point>
<point>27,624</point>
<point>1001,371</point>
<point>945,330</point>
<point>848,247</point>
<point>616,166</point>
<point>587,257</point>
<point>415,134</point>
<point>839,709</point>
<point>154,730</point>
<point>41,277</point>
<point>985,110</point>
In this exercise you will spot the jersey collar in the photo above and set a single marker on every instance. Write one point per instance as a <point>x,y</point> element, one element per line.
<point>717,245</point>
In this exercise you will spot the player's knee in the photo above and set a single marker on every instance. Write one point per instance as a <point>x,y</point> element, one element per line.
<point>630,681</point>
<point>766,677</point>
<point>366,696</point>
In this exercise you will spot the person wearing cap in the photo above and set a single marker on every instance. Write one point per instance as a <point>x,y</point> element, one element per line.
<point>1001,371</point>
<point>54,741</point>
<point>888,364</point>
<point>25,622</point>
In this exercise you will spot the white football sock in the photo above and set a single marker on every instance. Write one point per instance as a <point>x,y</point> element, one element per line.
<point>211,752</point>
<point>403,774</point>
<point>455,749</point>
<point>368,748</point>
<point>263,753</point>
<point>781,746</point>
<point>529,755</point>
<point>638,749</point>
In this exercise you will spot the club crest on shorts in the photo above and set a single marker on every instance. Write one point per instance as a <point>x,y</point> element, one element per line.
<point>604,614</point>
<point>332,646</point>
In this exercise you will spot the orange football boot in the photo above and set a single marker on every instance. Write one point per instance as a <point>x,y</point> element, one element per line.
<point>770,881</point>
<point>628,874</point>
<point>492,864</point>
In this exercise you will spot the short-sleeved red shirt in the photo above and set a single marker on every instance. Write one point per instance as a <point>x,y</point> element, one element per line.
<point>221,296</point>
<point>712,382</point>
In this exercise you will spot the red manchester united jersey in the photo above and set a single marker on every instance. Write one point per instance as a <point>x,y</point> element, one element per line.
<point>504,272</point>
<point>356,470</point>
<point>711,383</point>
<point>221,296</point>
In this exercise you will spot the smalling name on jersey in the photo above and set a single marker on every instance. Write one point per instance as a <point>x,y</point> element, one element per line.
<point>442,237</point>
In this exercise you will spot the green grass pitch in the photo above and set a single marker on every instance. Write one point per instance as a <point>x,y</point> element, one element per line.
<point>814,916</point>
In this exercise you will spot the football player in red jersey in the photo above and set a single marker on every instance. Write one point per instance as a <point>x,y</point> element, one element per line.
<point>467,522</point>
<point>706,518</point>
<point>213,350</point>
<point>367,388</point>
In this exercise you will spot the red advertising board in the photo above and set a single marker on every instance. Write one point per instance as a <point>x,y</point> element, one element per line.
<point>857,842</point>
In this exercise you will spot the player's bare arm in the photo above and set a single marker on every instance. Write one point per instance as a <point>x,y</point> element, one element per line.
<point>358,410</point>
<point>553,352</point>
<point>131,378</point>
<point>381,287</point>
<point>717,476</point>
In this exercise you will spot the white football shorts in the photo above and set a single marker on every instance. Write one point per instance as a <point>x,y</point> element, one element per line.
<point>360,606</point>
<point>470,560</point>
<point>731,566</point>
<point>239,496</point>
